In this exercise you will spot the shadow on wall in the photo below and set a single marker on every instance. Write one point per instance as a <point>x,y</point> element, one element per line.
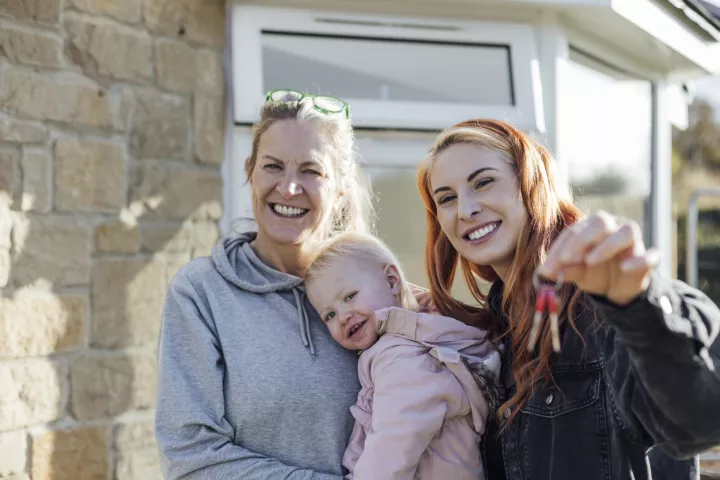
<point>80,310</point>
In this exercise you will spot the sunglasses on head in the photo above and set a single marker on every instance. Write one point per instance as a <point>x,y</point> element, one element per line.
<point>323,103</point>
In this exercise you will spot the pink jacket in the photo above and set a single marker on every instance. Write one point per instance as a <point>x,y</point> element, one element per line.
<point>420,412</point>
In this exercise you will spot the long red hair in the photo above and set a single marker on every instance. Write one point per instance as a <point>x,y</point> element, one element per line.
<point>549,208</point>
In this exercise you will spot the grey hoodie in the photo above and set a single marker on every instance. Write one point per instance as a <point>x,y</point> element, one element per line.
<point>251,385</point>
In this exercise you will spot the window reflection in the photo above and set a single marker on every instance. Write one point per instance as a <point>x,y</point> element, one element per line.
<point>605,125</point>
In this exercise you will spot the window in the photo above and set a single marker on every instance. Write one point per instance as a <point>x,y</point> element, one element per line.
<point>395,73</point>
<point>605,140</point>
<point>368,69</point>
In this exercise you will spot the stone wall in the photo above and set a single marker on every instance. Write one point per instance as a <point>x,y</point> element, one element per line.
<point>111,139</point>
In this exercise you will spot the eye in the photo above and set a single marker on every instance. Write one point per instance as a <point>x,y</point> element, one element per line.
<point>446,198</point>
<point>350,296</point>
<point>272,166</point>
<point>329,316</point>
<point>311,171</point>
<point>483,182</point>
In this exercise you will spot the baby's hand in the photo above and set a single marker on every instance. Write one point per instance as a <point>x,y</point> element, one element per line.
<point>424,300</point>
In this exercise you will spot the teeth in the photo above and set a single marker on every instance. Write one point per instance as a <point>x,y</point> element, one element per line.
<point>288,211</point>
<point>480,233</point>
<point>355,328</point>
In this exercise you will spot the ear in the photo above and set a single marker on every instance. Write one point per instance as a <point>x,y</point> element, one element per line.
<point>392,275</point>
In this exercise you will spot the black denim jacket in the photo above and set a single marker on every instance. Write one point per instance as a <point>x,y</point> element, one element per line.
<point>637,401</point>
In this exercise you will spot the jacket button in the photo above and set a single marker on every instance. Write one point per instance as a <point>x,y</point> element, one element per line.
<point>507,413</point>
<point>549,399</point>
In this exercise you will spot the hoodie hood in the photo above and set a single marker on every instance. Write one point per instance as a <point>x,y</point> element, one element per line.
<point>238,263</point>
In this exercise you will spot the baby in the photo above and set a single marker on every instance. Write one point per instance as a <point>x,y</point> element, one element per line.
<point>427,381</point>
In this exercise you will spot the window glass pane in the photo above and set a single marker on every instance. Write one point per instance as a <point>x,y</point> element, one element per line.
<point>401,222</point>
<point>605,139</point>
<point>387,70</point>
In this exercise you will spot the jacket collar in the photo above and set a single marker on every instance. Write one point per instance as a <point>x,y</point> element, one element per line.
<point>494,297</point>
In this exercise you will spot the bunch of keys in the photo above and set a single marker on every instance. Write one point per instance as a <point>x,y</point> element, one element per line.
<point>547,295</point>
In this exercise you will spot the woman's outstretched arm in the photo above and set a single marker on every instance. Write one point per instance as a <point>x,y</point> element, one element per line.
<point>663,351</point>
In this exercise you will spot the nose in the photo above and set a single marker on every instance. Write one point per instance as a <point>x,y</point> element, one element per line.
<point>468,207</point>
<point>289,186</point>
<point>345,315</point>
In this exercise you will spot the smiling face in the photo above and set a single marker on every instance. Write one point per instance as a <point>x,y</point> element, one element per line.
<point>293,183</point>
<point>348,293</point>
<point>479,206</point>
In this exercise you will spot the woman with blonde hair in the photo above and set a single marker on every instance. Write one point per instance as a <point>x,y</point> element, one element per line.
<point>251,384</point>
<point>632,372</point>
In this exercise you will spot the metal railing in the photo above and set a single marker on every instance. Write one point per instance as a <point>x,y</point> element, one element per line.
<point>691,255</point>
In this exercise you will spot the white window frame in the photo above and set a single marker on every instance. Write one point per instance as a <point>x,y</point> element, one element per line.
<point>248,23</point>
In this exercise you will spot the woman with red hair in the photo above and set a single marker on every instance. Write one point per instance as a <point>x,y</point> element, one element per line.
<point>635,365</point>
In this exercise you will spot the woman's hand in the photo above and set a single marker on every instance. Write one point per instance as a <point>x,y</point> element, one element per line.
<point>423,298</point>
<point>603,255</point>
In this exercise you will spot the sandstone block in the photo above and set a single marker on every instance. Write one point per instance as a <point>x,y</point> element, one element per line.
<point>110,385</point>
<point>209,68</point>
<point>53,249</point>
<point>37,322</point>
<point>173,262</point>
<point>90,176</point>
<point>136,453</point>
<point>206,236</point>
<point>209,127</point>
<point>33,393</point>
<point>39,11</point>
<point>6,221</point>
<point>13,130</point>
<point>175,65</point>
<point>117,237</point>
<point>59,97</point>
<point>123,106</point>
<point>162,237</point>
<point>36,182</point>
<point>181,193</point>
<point>201,21</point>
<point>5,266</point>
<point>9,175</point>
<point>199,237</point>
<point>127,301</point>
<point>128,11</point>
<point>160,126</point>
<point>30,47</point>
<point>13,453</point>
<point>104,48</point>
<point>73,454</point>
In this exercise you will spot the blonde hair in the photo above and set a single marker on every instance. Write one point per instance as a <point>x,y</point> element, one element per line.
<point>354,211</point>
<point>362,247</point>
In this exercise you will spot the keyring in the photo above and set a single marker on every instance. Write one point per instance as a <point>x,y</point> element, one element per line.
<point>536,281</point>
<point>547,295</point>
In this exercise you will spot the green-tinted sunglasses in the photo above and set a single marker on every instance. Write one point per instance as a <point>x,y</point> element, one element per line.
<point>323,103</point>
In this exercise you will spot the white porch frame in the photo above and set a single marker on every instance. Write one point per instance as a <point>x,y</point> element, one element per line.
<point>248,23</point>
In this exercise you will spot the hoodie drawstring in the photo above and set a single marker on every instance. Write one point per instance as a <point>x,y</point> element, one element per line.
<point>304,321</point>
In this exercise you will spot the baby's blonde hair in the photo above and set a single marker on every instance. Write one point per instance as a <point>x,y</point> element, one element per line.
<point>363,247</point>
